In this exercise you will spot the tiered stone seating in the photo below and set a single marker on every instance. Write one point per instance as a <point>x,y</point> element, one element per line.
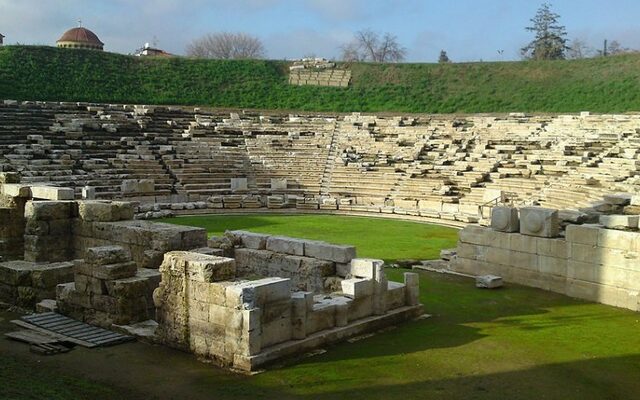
<point>437,166</point>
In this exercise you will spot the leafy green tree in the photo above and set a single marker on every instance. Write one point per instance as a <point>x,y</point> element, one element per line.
<point>550,41</point>
<point>444,58</point>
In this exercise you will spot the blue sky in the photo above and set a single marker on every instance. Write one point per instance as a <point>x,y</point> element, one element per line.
<point>469,30</point>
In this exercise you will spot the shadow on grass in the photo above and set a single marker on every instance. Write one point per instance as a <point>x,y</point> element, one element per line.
<point>601,378</point>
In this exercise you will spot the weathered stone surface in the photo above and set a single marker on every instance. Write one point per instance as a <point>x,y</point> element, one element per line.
<point>286,245</point>
<point>538,221</point>
<point>111,271</point>
<point>505,219</point>
<point>489,282</point>
<point>365,267</point>
<point>331,252</point>
<point>48,210</point>
<point>105,211</point>
<point>105,255</point>
<point>619,221</point>
<point>16,190</point>
<point>251,240</point>
<point>52,193</point>
<point>357,287</point>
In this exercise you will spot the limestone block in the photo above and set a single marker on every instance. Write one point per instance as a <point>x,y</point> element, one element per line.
<point>278,184</point>
<point>342,270</point>
<point>395,295</point>
<point>252,294</point>
<point>505,219</point>
<point>105,255</point>
<point>52,193</point>
<point>357,287</point>
<point>88,193</point>
<point>239,184</point>
<point>552,265</point>
<point>618,199</point>
<point>557,248</point>
<point>365,267</point>
<point>146,186</point>
<point>583,234</point>
<point>16,273</point>
<point>475,234</point>
<point>16,190</point>
<point>252,240</point>
<point>129,186</point>
<point>48,210</point>
<point>412,288</point>
<point>276,322</point>
<point>619,221</point>
<point>299,315</point>
<point>616,239</point>
<point>538,221</point>
<point>331,252</point>
<point>321,317</point>
<point>105,211</point>
<point>489,282</point>
<point>523,243</point>
<point>286,245</point>
<point>9,177</point>
<point>111,271</point>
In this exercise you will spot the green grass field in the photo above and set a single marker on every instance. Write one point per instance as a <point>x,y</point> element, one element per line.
<point>605,84</point>
<point>387,239</point>
<point>513,343</point>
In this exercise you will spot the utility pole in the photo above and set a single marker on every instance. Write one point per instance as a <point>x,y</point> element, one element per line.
<point>604,51</point>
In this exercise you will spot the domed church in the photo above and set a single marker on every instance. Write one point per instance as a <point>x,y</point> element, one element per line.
<point>79,38</point>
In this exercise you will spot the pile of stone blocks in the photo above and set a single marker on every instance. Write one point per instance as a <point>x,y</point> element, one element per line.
<point>101,223</point>
<point>108,288</point>
<point>24,283</point>
<point>311,265</point>
<point>590,262</point>
<point>48,236</point>
<point>206,307</point>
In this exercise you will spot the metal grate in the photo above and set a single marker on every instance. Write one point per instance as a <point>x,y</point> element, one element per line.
<point>74,331</point>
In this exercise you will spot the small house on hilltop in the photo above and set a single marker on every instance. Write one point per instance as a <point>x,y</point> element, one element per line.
<point>148,51</point>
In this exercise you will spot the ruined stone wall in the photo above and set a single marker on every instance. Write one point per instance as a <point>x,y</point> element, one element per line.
<point>590,261</point>
<point>205,306</point>
<point>418,165</point>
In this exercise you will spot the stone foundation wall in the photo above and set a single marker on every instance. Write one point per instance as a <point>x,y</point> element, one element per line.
<point>204,307</point>
<point>591,262</point>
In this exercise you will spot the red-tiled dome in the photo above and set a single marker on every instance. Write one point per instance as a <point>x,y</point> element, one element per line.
<point>82,37</point>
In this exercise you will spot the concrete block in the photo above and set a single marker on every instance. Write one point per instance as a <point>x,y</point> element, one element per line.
<point>88,193</point>
<point>538,221</point>
<point>331,252</point>
<point>505,219</point>
<point>618,199</point>
<point>619,221</point>
<point>52,193</point>
<point>286,245</point>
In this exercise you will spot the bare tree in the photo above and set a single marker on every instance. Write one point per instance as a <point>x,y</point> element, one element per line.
<point>226,46</point>
<point>368,45</point>
<point>578,49</point>
<point>616,47</point>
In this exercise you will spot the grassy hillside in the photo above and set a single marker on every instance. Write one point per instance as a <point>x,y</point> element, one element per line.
<point>599,85</point>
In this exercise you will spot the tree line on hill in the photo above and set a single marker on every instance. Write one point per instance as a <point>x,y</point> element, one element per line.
<point>550,42</point>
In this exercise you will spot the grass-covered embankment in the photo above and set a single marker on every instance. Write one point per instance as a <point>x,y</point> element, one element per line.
<point>606,84</point>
